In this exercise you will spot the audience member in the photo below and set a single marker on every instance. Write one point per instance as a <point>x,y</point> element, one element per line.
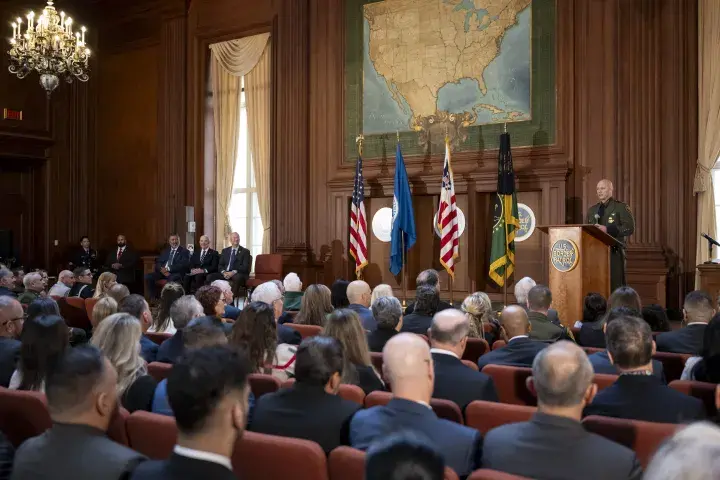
<point>269,293</point>
<point>231,312</point>
<point>539,299</point>
<point>426,303</point>
<point>104,307</point>
<point>387,311</point>
<point>522,288</point>
<point>594,308</point>
<point>404,456</point>
<point>520,350</point>
<point>82,400</point>
<point>162,322</point>
<point>382,290</point>
<point>234,266</point>
<point>593,334</point>
<point>117,337</point>
<point>62,287</point>
<point>706,366</point>
<point>637,394</point>
<point>182,312</point>
<point>408,366</point>
<point>204,261</point>
<point>338,294</point>
<point>138,307</point>
<point>656,316</point>
<point>34,287</point>
<point>19,276</point>
<point>256,332</point>
<point>44,340</point>
<point>121,261</point>
<point>358,293</point>
<point>172,264</point>
<point>7,456</point>
<point>105,282</point>
<point>698,310</point>
<point>293,292</point>
<point>553,444</point>
<point>12,318</point>
<point>7,283</point>
<point>118,292</point>
<point>84,256</point>
<point>453,380</point>
<point>478,308</point>
<point>208,392</point>
<point>428,278</point>
<point>692,453</point>
<point>344,326</point>
<point>82,288</point>
<point>315,306</point>
<point>45,277</point>
<point>310,409</point>
<point>48,306</point>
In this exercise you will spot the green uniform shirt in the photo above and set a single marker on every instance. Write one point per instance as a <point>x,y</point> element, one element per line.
<point>616,217</point>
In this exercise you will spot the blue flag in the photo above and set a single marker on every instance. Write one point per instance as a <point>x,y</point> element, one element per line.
<point>403,219</point>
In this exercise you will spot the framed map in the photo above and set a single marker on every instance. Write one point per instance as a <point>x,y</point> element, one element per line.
<point>407,58</point>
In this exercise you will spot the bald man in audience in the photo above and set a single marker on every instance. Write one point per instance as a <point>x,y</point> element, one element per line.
<point>453,380</point>
<point>359,294</point>
<point>520,350</point>
<point>12,318</point>
<point>65,282</point>
<point>408,366</point>
<point>553,444</point>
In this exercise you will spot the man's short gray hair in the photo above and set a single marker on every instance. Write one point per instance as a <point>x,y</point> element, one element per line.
<point>561,383</point>
<point>692,453</point>
<point>31,278</point>
<point>65,273</point>
<point>292,283</point>
<point>223,285</point>
<point>428,277</point>
<point>266,292</point>
<point>5,273</point>
<point>522,288</point>
<point>185,309</point>
<point>387,311</point>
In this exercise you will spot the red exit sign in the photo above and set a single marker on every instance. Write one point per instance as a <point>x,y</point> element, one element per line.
<point>9,114</point>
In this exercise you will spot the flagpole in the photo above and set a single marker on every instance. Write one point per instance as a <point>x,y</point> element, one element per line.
<point>507,258</point>
<point>404,275</point>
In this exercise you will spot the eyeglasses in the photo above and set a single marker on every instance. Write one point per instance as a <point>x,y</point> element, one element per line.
<point>23,318</point>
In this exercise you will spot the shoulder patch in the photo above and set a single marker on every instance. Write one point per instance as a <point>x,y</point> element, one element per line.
<point>627,207</point>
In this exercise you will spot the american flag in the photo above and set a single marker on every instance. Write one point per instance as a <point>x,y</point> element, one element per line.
<point>447,218</point>
<point>358,221</point>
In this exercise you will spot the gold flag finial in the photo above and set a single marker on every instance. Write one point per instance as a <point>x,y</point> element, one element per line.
<point>359,141</point>
<point>505,127</point>
<point>397,132</point>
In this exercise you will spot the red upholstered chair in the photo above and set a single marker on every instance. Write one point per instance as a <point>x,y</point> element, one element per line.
<point>474,348</point>
<point>74,313</point>
<point>158,338</point>
<point>510,384</point>
<point>575,331</point>
<point>260,384</point>
<point>484,416</point>
<point>604,380</point>
<point>347,463</point>
<point>89,306</point>
<point>267,267</point>
<point>306,330</point>
<point>159,371</point>
<point>377,361</point>
<point>377,398</point>
<point>591,350</point>
<point>642,437</point>
<point>118,428</point>
<point>487,474</point>
<point>23,415</point>
<point>703,391</point>
<point>498,344</point>
<point>263,457</point>
<point>152,435</point>
<point>673,364</point>
<point>470,364</point>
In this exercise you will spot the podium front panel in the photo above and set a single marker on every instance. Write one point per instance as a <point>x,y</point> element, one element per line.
<point>566,273</point>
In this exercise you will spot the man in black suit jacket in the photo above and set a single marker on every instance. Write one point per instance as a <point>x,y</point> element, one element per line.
<point>553,444</point>
<point>520,350</point>
<point>426,303</point>
<point>310,409</point>
<point>208,393</point>
<point>11,323</point>
<point>235,264</point>
<point>82,288</point>
<point>698,311</point>
<point>182,311</point>
<point>432,279</point>
<point>172,264</point>
<point>637,394</point>
<point>204,260</point>
<point>453,380</point>
<point>387,312</point>
<point>7,283</point>
<point>121,261</point>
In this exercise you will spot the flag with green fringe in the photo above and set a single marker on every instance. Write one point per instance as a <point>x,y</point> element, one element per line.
<point>505,218</point>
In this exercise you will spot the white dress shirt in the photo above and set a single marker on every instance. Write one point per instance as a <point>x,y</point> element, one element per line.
<point>59,290</point>
<point>443,352</point>
<point>204,456</point>
<point>517,336</point>
<point>173,252</point>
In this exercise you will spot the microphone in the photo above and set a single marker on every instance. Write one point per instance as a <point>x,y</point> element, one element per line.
<point>597,219</point>
<point>710,239</point>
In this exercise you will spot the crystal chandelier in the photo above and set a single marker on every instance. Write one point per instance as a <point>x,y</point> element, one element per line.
<point>50,47</point>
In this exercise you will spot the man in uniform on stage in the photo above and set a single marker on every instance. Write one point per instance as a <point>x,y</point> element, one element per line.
<point>614,218</point>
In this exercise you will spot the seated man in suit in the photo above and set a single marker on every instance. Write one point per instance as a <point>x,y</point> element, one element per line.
<point>428,278</point>
<point>171,265</point>
<point>234,266</point>
<point>66,280</point>
<point>698,310</point>
<point>453,380</point>
<point>204,261</point>
<point>137,306</point>
<point>82,288</point>
<point>387,311</point>
<point>12,318</point>
<point>231,311</point>
<point>82,398</point>
<point>182,311</point>
<point>121,261</point>
<point>34,288</point>
<point>359,293</point>
<point>408,366</point>
<point>404,455</point>
<point>520,350</point>
<point>521,292</point>
<point>208,392</point>
<point>553,444</point>
<point>7,283</point>
<point>539,300</point>
<point>269,293</point>
<point>426,303</point>
<point>638,394</point>
<point>310,409</point>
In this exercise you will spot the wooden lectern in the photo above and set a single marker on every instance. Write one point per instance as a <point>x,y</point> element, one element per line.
<point>579,264</point>
<point>710,279</point>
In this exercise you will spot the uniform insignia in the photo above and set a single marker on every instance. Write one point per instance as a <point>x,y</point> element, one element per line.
<point>611,220</point>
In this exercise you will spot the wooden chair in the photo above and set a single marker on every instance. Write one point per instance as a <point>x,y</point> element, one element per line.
<point>89,306</point>
<point>267,267</point>
<point>74,313</point>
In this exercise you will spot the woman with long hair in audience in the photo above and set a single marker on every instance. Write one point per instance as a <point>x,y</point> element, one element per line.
<point>478,308</point>
<point>656,316</point>
<point>104,307</point>
<point>105,282</point>
<point>255,332</point>
<point>592,334</point>
<point>118,337</point>
<point>48,306</point>
<point>315,306</point>
<point>338,296</point>
<point>594,309</point>
<point>706,367</point>
<point>212,300</point>
<point>382,290</point>
<point>344,325</point>
<point>162,323</point>
<point>43,340</point>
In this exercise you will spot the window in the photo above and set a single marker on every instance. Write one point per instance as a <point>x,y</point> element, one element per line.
<point>244,211</point>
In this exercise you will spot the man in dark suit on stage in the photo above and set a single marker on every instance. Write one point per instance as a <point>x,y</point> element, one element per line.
<point>204,260</point>
<point>554,444</point>
<point>84,256</point>
<point>520,350</point>
<point>698,311</point>
<point>171,265</point>
<point>121,261</point>
<point>235,264</point>
<point>453,380</point>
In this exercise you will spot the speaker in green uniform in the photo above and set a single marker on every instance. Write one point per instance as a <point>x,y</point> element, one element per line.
<point>615,218</point>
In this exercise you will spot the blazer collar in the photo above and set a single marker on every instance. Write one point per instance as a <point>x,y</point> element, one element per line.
<point>408,406</point>
<point>445,357</point>
<point>545,420</point>
<point>76,429</point>
<point>638,381</point>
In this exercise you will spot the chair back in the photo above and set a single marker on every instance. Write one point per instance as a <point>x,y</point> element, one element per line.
<point>74,313</point>
<point>498,344</point>
<point>158,338</point>
<point>306,330</point>
<point>474,348</point>
<point>159,371</point>
<point>642,437</point>
<point>604,380</point>
<point>347,463</point>
<point>472,365</point>
<point>484,416</point>
<point>377,398</point>
<point>703,391</point>
<point>591,350</point>
<point>151,434</point>
<point>510,384</point>
<point>255,457</point>
<point>268,266</point>
<point>117,431</point>
<point>673,364</point>
<point>447,409</point>
<point>575,331</point>
<point>377,360</point>
<point>260,384</point>
<point>23,414</point>
<point>487,474</point>
<point>90,305</point>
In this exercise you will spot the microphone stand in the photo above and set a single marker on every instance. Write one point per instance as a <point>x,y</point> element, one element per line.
<point>711,242</point>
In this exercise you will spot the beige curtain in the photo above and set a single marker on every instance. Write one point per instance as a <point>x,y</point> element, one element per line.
<point>709,119</point>
<point>231,61</point>
<point>257,96</point>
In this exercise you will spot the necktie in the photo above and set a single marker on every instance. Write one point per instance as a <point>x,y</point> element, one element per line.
<point>120,252</point>
<point>172,256</point>
<point>232,260</point>
<point>202,256</point>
